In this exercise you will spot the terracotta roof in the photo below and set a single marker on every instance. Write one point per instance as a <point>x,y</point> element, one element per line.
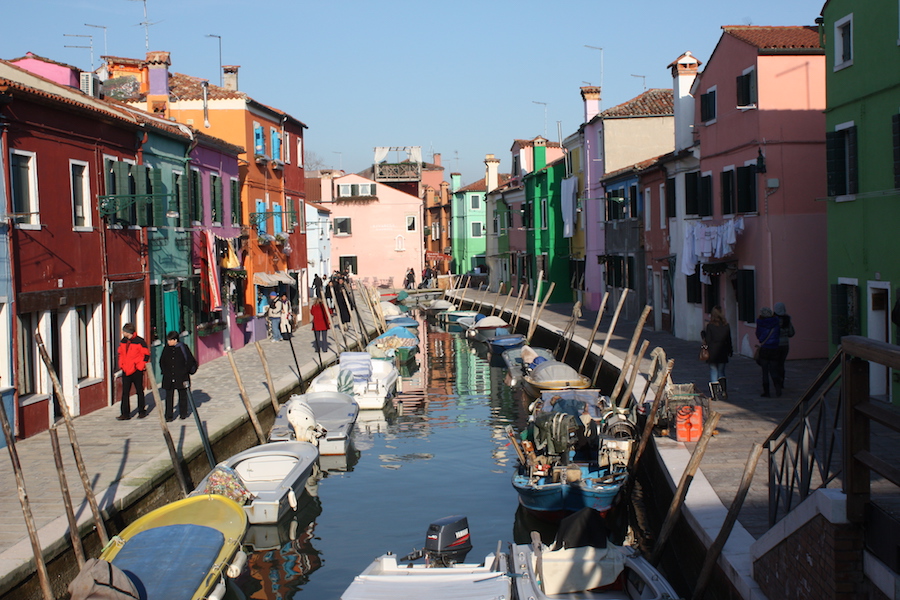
<point>790,37</point>
<point>549,144</point>
<point>481,185</point>
<point>652,103</point>
<point>636,168</point>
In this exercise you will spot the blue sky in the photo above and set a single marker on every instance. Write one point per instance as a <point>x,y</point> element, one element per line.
<point>462,78</point>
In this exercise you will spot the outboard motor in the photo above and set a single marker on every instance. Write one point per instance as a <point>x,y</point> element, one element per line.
<point>446,543</point>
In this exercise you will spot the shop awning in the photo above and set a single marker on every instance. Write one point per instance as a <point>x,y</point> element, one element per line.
<point>273,279</point>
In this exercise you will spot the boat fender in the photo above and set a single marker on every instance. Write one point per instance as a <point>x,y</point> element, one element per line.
<point>292,530</point>
<point>292,499</point>
<point>236,566</point>
<point>218,592</point>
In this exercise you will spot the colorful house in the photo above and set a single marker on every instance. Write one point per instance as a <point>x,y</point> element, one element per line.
<point>862,124</point>
<point>754,230</point>
<point>437,228</point>
<point>77,302</point>
<point>467,225</point>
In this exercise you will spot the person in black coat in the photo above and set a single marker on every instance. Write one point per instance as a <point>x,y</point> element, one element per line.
<point>717,337</point>
<point>176,363</point>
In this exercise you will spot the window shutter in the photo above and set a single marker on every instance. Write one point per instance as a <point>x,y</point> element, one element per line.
<point>670,198</point>
<point>184,201</point>
<point>895,124</point>
<point>746,295</point>
<point>852,170</point>
<point>259,140</point>
<point>743,93</point>
<point>160,199</point>
<point>705,208</point>
<point>746,189</point>
<point>235,202</point>
<point>727,181</point>
<point>140,175</point>
<point>120,175</point>
<point>834,153</point>
<point>691,190</point>
<point>196,197</point>
<point>261,209</point>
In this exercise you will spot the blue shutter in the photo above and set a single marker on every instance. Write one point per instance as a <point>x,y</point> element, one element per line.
<point>261,209</point>
<point>276,219</point>
<point>276,145</point>
<point>259,140</point>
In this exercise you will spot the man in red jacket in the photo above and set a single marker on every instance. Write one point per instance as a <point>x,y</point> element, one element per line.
<point>133,357</point>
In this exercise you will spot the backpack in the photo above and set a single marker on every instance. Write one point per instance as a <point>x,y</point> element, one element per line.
<point>101,580</point>
<point>189,360</point>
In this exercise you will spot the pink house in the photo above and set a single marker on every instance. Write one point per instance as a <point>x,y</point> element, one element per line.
<point>760,124</point>
<point>376,229</point>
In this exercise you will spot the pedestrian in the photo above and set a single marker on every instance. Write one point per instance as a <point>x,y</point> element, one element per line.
<point>341,299</point>
<point>287,318</point>
<point>176,364</point>
<point>321,319</point>
<point>786,332</point>
<point>717,337</point>
<point>133,357</point>
<point>317,286</point>
<point>273,314</point>
<point>410,282</point>
<point>767,333</point>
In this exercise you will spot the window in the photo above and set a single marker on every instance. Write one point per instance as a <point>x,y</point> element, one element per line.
<point>261,217</point>
<point>277,219</point>
<point>348,264</point>
<point>350,190</point>
<point>620,271</point>
<point>435,231</point>
<point>342,226</point>
<point>300,152</point>
<point>399,243</point>
<point>708,106</point>
<point>23,178</point>
<point>665,291</point>
<point>694,290</point>
<point>615,204</point>
<point>711,294</point>
<point>746,295</point>
<point>845,311</point>
<point>286,144</point>
<point>841,158</point>
<point>727,191</point>
<point>259,140</point>
<point>671,204</point>
<point>746,89</point>
<point>545,214</point>
<point>704,198</point>
<point>746,188</point>
<point>843,42</point>
<point>475,202</point>
<point>410,223</point>
<point>196,198</point>
<point>634,210</point>
<point>235,202</point>
<point>81,193</point>
<point>27,380</point>
<point>215,188</point>
<point>477,229</point>
<point>647,216</point>
<point>663,204</point>
<point>692,193</point>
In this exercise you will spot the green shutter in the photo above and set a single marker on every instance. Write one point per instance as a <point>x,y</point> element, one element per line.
<point>120,175</point>
<point>160,198</point>
<point>852,161</point>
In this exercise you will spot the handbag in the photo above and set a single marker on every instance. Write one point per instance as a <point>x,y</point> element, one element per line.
<point>704,352</point>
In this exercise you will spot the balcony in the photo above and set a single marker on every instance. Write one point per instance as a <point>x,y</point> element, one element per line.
<point>405,171</point>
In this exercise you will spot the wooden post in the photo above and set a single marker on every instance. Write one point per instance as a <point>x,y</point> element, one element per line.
<point>369,303</point>
<point>496,303</point>
<point>73,440</point>
<point>638,330</point>
<point>237,377</point>
<point>505,302</point>
<point>40,565</point>
<point>534,323</point>
<point>351,307</point>
<point>689,471</point>
<point>612,327</point>
<point>520,303</point>
<point>167,435</point>
<point>569,331</point>
<point>465,289</point>
<point>635,369</point>
<point>712,555</point>
<point>74,534</point>
<point>265,363</point>
<point>534,305</point>
<point>590,344</point>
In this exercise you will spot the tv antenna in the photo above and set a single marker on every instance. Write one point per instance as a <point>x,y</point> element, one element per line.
<point>145,24</point>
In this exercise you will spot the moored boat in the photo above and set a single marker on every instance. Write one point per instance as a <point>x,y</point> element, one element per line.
<point>269,478</point>
<point>437,306</point>
<point>582,563</point>
<point>182,550</point>
<point>521,360</point>
<point>443,576</point>
<point>335,412</point>
<point>397,343</point>
<point>452,316</point>
<point>553,375</point>
<point>370,382</point>
<point>503,342</point>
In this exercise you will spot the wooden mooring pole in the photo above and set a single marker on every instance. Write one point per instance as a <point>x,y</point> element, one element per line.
<point>237,377</point>
<point>74,534</point>
<point>265,363</point>
<point>612,327</point>
<point>167,435</point>
<point>590,344</point>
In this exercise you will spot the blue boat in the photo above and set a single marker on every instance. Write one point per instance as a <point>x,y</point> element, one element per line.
<point>396,342</point>
<point>403,322</point>
<point>501,343</point>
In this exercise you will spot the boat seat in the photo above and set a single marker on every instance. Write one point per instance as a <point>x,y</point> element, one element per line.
<point>358,363</point>
<point>571,570</point>
<point>171,561</point>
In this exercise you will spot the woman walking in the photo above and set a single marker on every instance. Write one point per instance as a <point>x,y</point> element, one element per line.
<point>767,332</point>
<point>786,332</point>
<point>176,363</point>
<point>321,324</point>
<point>717,336</point>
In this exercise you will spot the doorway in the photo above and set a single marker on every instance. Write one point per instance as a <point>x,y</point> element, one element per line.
<point>879,329</point>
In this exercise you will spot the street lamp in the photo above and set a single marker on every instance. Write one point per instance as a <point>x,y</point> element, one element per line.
<point>221,75</point>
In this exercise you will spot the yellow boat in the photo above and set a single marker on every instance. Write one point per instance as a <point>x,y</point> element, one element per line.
<point>181,551</point>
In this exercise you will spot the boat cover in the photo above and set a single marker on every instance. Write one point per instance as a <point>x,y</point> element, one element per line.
<point>101,580</point>
<point>583,528</point>
<point>171,561</point>
<point>358,363</point>
<point>551,431</point>
<point>553,370</point>
<point>490,322</point>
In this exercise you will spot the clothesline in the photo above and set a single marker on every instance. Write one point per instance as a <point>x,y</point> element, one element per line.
<point>703,242</point>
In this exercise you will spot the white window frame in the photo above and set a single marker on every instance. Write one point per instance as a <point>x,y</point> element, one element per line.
<point>286,147</point>
<point>6,364</point>
<point>32,220</point>
<point>299,151</point>
<point>545,213</point>
<point>662,206</point>
<point>475,202</point>
<point>399,244</point>
<point>412,220</point>
<point>92,345</point>
<point>839,42</point>
<point>85,194</point>
<point>480,228</point>
<point>339,233</point>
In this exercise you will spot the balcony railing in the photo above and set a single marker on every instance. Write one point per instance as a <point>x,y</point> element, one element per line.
<point>406,171</point>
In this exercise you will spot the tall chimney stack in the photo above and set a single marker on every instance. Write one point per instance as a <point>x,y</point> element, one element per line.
<point>230,77</point>
<point>590,95</point>
<point>491,176</point>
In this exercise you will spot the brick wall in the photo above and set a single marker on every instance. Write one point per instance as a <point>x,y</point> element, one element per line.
<point>820,560</point>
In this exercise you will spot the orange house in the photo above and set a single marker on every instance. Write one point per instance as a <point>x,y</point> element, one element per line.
<point>273,237</point>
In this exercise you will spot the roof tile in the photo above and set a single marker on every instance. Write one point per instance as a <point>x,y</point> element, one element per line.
<point>652,103</point>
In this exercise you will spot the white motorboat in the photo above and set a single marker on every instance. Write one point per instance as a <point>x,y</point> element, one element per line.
<point>269,479</point>
<point>370,382</point>
<point>584,564</point>
<point>442,576</point>
<point>335,412</point>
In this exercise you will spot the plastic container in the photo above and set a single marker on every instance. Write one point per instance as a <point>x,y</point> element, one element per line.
<point>688,423</point>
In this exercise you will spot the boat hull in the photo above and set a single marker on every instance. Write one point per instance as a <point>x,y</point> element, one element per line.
<point>334,411</point>
<point>551,500</point>
<point>369,395</point>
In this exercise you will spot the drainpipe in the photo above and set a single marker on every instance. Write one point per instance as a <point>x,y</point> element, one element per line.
<point>7,223</point>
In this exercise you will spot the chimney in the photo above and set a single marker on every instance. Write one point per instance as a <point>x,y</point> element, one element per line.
<point>230,77</point>
<point>445,193</point>
<point>158,82</point>
<point>436,159</point>
<point>491,178</point>
<point>455,182</point>
<point>590,95</point>
<point>539,156</point>
<point>684,71</point>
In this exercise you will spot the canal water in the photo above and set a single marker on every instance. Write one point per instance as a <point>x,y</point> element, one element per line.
<point>439,449</point>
